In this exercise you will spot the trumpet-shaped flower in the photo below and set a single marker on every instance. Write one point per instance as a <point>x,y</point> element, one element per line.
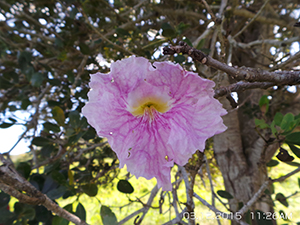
<point>153,116</point>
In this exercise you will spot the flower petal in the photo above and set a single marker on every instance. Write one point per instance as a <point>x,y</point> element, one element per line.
<point>153,116</point>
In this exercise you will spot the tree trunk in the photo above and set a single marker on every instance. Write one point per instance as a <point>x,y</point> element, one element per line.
<point>240,152</point>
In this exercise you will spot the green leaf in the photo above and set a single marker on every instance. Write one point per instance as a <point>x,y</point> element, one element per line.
<point>168,30</point>
<point>264,104</point>
<point>12,119</point>
<point>51,166</point>
<point>57,192</point>
<point>125,187</point>
<point>59,221</point>
<point>182,27</point>
<point>284,155</point>
<point>282,199</point>
<point>69,193</point>
<point>42,214</point>
<point>287,121</point>
<point>121,32</point>
<point>224,194</point>
<point>6,215</point>
<point>293,164</point>
<point>179,58</point>
<point>74,138</point>
<point>69,208</point>
<point>200,44</point>
<point>278,118</point>
<point>6,125</point>
<point>59,177</point>
<point>62,56</point>
<point>272,163</point>
<point>58,115</point>
<point>295,150</point>
<point>84,49</point>
<point>24,59</point>
<point>59,43</point>
<point>74,119</point>
<point>261,219</point>
<point>54,82</point>
<point>293,138</point>
<point>89,134</point>
<point>267,192</point>
<point>273,128</point>
<point>47,150</point>
<point>40,141</point>
<point>298,182</point>
<point>90,189</point>
<point>248,218</point>
<point>107,216</point>
<point>36,79</point>
<point>283,215</point>
<point>28,213</point>
<point>272,188</point>
<point>49,184</point>
<point>24,169</point>
<point>18,208</point>
<point>80,212</point>
<point>5,84</point>
<point>73,13</point>
<point>261,123</point>
<point>186,40</point>
<point>25,103</point>
<point>51,127</point>
<point>71,77</point>
<point>4,199</point>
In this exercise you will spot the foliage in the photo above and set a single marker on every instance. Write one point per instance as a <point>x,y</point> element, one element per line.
<point>49,48</point>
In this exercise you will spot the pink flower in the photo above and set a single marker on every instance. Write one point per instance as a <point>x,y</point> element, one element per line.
<point>153,116</point>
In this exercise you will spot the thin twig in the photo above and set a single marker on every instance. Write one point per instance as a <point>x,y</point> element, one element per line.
<point>282,178</point>
<point>189,190</point>
<point>209,10</point>
<point>252,20</point>
<point>82,150</point>
<point>103,37</point>
<point>218,212</point>
<point>177,219</point>
<point>33,122</point>
<point>62,150</point>
<point>211,184</point>
<point>241,86</point>
<point>273,42</point>
<point>210,181</point>
<point>144,209</point>
<point>287,62</point>
<point>254,198</point>
<point>80,70</point>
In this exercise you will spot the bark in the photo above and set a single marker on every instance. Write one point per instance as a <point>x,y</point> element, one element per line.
<point>240,151</point>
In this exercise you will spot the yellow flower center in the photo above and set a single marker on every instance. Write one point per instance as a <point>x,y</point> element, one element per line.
<point>149,104</point>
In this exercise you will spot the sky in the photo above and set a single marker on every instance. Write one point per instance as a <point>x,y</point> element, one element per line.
<point>9,137</point>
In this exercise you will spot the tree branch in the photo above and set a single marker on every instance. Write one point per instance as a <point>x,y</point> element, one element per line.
<point>11,182</point>
<point>241,86</point>
<point>237,73</point>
